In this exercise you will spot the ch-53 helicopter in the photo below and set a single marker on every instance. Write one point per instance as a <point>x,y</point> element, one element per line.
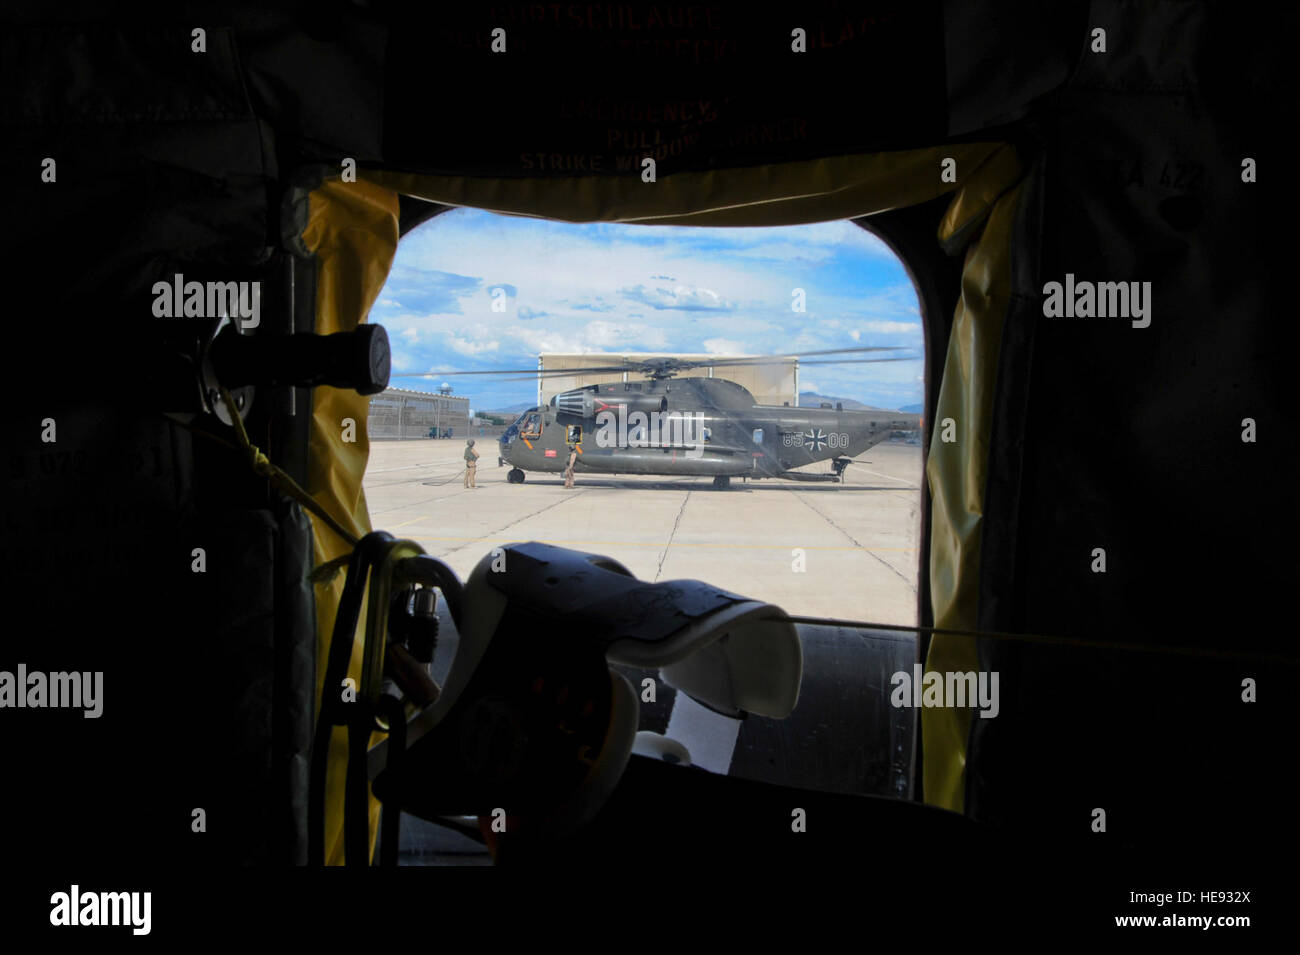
<point>690,426</point>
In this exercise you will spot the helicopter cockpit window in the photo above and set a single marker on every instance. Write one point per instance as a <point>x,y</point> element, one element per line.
<point>722,440</point>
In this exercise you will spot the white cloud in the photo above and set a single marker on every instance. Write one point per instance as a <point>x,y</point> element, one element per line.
<point>718,291</point>
<point>889,328</point>
<point>624,335</point>
<point>683,298</point>
<point>468,347</point>
<point>723,346</point>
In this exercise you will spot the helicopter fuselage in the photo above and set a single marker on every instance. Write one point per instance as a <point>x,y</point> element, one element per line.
<point>689,427</point>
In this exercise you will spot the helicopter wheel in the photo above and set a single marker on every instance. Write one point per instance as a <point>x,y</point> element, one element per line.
<point>721,482</point>
<point>515,476</point>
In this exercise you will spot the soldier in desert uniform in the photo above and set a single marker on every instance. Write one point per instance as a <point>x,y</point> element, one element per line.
<point>471,464</point>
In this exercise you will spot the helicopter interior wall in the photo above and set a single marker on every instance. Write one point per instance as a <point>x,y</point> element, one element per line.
<point>215,192</point>
<point>182,167</point>
<point>731,52</point>
<point>1138,441</point>
<point>103,522</point>
<point>329,287</point>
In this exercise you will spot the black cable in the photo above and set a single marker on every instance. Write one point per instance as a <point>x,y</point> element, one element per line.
<point>390,829</point>
<point>336,670</point>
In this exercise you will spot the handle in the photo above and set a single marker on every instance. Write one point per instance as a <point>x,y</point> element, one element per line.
<point>358,359</point>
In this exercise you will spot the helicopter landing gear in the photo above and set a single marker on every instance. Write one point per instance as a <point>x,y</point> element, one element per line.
<point>515,476</point>
<point>721,482</point>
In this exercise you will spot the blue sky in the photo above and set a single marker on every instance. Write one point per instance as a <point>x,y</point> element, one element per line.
<point>602,287</point>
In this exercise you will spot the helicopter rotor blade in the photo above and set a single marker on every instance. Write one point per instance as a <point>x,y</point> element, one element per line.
<point>665,366</point>
<point>742,360</point>
<point>841,351</point>
<point>838,351</point>
<point>859,361</point>
<point>489,371</point>
<point>528,372</point>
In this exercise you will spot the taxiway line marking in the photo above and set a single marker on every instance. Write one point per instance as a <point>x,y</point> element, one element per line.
<point>831,521</point>
<point>422,517</point>
<point>671,534</point>
<point>890,477</point>
<point>520,520</point>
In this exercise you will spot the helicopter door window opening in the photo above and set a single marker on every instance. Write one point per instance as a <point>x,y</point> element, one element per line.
<point>676,352</point>
<point>610,330</point>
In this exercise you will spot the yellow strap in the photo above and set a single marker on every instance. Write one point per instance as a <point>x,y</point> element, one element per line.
<point>262,465</point>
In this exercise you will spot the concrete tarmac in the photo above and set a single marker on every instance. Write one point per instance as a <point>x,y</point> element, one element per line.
<point>859,540</point>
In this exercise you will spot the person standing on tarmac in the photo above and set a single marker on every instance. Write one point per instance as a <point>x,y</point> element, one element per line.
<point>573,460</point>
<point>471,464</point>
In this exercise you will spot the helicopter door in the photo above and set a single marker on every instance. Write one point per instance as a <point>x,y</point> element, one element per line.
<point>532,426</point>
<point>573,434</point>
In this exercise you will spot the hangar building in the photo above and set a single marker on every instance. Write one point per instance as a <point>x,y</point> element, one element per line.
<point>772,383</point>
